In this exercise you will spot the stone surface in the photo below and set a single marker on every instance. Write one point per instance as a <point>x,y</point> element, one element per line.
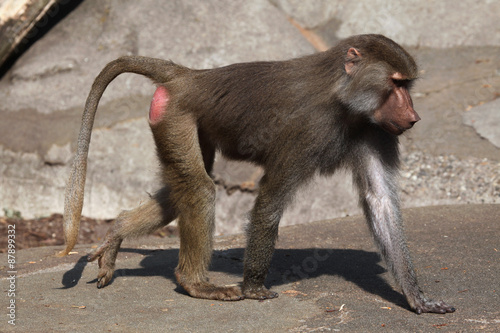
<point>413,23</point>
<point>485,119</point>
<point>44,93</point>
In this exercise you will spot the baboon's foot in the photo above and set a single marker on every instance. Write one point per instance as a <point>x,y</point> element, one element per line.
<point>106,255</point>
<point>259,293</point>
<point>210,291</point>
<point>430,306</point>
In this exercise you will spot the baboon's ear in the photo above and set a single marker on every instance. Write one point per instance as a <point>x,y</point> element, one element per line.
<point>352,56</point>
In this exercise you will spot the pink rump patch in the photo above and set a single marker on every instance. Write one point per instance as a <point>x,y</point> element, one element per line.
<point>158,105</point>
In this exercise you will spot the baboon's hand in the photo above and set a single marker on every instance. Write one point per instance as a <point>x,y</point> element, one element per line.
<point>431,306</point>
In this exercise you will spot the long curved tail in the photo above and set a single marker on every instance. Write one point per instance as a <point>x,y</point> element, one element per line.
<point>159,71</point>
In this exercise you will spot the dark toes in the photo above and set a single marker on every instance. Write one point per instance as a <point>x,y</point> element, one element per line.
<point>260,293</point>
<point>100,284</point>
<point>104,277</point>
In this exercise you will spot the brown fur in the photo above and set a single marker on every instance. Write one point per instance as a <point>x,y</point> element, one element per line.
<point>339,108</point>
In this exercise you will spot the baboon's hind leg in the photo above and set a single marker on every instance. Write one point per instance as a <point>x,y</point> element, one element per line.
<point>145,219</point>
<point>187,158</point>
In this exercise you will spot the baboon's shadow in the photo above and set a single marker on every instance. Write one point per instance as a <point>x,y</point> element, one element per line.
<point>289,265</point>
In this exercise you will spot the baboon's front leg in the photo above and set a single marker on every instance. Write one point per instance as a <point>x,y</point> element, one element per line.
<point>274,195</point>
<point>379,198</point>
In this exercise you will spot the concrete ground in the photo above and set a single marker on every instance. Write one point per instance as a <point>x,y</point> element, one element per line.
<point>328,274</point>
